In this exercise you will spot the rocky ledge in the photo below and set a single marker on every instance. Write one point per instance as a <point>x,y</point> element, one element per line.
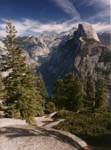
<point>20,136</point>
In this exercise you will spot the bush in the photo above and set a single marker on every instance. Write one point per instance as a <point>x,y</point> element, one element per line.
<point>50,107</point>
<point>12,113</point>
<point>64,114</point>
<point>0,106</point>
<point>94,128</point>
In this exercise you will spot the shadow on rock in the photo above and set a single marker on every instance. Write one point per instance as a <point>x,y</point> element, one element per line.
<point>14,132</point>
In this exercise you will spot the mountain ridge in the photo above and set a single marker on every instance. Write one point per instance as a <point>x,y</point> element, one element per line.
<point>55,55</point>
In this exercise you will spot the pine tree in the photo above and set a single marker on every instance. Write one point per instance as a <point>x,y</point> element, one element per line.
<point>41,89</point>
<point>69,93</point>
<point>90,93</point>
<point>59,94</point>
<point>102,95</point>
<point>2,93</point>
<point>22,98</point>
<point>1,88</point>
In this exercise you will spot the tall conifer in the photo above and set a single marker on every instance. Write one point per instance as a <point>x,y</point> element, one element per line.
<point>41,89</point>
<point>22,98</point>
<point>2,93</point>
<point>102,95</point>
<point>90,93</point>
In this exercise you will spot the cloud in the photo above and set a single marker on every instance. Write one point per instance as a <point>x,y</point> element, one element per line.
<point>103,16</point>
<point>69,8</point>
<point>34,27</point>
<point>97,3</point>
<point>103,8</point>
<point>102,27</point>
<point>27,27</point>
<point>2,33</point>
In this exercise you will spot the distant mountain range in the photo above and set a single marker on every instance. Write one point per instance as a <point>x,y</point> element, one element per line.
<point>80,50</point>
<point>105,38</point>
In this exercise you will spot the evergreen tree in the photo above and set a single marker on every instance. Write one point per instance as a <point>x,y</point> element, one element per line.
<point>2,94</point>
<point>41,89</point>
<point>69,93</point>
<point>1,88</point>
<point>59,94</point>
<point>90,93</point>
<point>22,98</point>
<point>102,95</point>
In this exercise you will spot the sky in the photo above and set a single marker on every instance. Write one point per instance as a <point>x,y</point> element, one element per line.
<point>33,17</point>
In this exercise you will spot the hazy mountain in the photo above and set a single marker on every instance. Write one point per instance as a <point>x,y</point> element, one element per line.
<point>82,53</point>
<point>105,38</point>
<point>77,50</point>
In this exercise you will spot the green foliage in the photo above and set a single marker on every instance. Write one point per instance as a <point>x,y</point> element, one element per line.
<point>50,107</point>
<point>64,114</point>
<point>1,88</point>
<point>22,98</point>
<point>69,93</point>
<point>105,56</point>
<point>90,94</point>
<point>41,89</point>
<point>2,92</point>
<point>102,95</point>
<point>12,112</point>
<point>93,127</point>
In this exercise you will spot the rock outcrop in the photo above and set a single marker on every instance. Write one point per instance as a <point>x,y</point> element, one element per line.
<point>17,135</point>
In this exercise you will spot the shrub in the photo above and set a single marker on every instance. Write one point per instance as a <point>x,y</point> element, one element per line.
<point>50,107</point>
<point>94,128</point>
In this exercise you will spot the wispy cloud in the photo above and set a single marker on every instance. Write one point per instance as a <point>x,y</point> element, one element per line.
<point>97,3</point>
<point>102,27</point>
<point>34,27</point>
<point>69,8</point>
<point>103,8</point>
<point>102,16</point>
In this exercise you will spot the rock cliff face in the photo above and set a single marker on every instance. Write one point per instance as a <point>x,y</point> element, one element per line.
<point>36,48</point>
<point>82,54</point>
<point>86,30</point>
